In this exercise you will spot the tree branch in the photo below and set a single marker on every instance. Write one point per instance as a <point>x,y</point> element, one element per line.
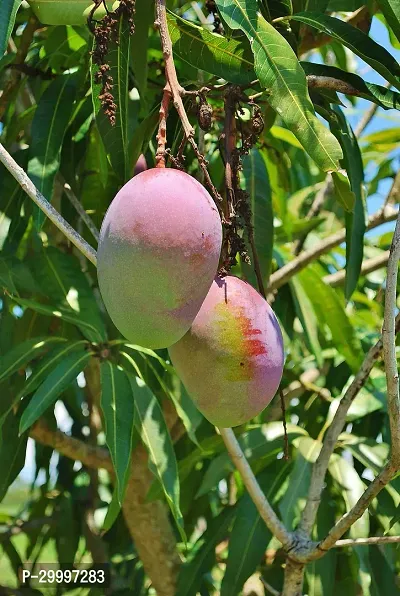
<point>75,202</point>
<point>387,344</point>
<point>373,540</point>
<point>368,266</point>
<point>261,502</point>
<point>148,523</point>
<point>89,455</point>
<point>321,465</point>
<point>27,185</point>
<point>285,273</point>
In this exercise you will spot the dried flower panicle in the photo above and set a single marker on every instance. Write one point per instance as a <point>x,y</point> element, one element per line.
<point>106,31</point>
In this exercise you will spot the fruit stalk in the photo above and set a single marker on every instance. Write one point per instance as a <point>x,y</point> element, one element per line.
<point>176,92</point>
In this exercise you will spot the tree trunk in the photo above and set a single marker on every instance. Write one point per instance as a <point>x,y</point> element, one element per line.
<point>150,528</point>
<point>294,575</point>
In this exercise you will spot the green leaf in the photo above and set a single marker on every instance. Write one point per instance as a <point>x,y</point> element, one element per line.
<point>383,97</point>
<point>329,310</point>
<point>229,59</point>
<point>48,128</point>
<point>62,280</point>
<point>352,487</point>
<point>256,183</point>
<point>144,16</point>
<point>343,191</point>
<point>116,138</point>
<point>185,408</point>
<point>47,364</point>
<point>250,536</point>
<point>8,13</point>
<point>19,356</point>
<point>67,315</point>
<point>280,73</point>
<point>118,410</point>
<point>143,133</point>
<point>356,223</point>
<point>358,42</point>
<point>57,381</point>
<point>68,528</point>
<point>278,8</point>
<point>44,367</point>
<point>307,317</point>
<point>113,511</point>
<point>261,444</point>
<point>299,480</point>
<point>12,452</point>
<point>320,574</point>
<point>153,430</point>
<point>383,576</point>
<point>391,12</point>
<point>203,554</point>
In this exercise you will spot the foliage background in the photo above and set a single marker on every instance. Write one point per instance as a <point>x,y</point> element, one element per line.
<point>55,130</point>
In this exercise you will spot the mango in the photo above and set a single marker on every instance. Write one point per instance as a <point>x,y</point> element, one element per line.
<point>231,359</point>
<point>140,165</point>
<point>158,253</point>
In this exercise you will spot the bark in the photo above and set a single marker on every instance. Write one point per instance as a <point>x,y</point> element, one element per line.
<point>148,523</point>
<point>150,528</point>
<point>293,580</point>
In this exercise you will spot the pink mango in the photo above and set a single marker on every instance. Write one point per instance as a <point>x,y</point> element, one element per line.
<point>158,253</point>
<point>140,165</point>
<point>231,359</point>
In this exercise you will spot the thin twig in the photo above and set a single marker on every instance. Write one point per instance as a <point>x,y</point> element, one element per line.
<point>259,499</point>
<point>177,92</point>
<point>389,345</point>
<point>27,185</point>
<point>75,202</point>
<point>285,435</point>
<point>285,273</point>
<point>170,71</point>
<point>368,266</point>
<point>314,210</point>
<point>269,588</point>
<point>373,540</point>
<point>162,127</point>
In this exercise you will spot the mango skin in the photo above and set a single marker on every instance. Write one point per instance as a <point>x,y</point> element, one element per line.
<point>158,253</point>
<point>231,360</point>
<point>140,165</point>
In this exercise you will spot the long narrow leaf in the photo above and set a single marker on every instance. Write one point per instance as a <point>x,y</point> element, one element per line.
<point>23,353</point>
<point>48,128</point>
<point>57,381</point>
<point>358,42</point>
<point>155,435</point>
<point>118,410</point>
<point>8,12</point>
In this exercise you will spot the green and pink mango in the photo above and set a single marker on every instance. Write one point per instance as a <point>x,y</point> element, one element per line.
<point>158,253</point>
<point>231,359</point>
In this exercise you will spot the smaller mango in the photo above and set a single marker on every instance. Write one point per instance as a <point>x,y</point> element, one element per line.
<point>231,359</point>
